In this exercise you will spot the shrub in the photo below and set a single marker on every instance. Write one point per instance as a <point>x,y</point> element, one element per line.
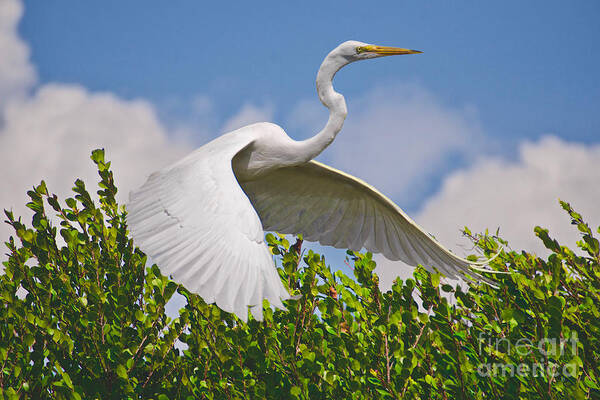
<point>91,321</point>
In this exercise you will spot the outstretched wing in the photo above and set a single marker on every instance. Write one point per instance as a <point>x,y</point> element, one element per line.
<point>198,225</point>
<point>336,209</point>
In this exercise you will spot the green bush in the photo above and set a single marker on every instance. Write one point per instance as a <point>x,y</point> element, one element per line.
<point>93,325</point>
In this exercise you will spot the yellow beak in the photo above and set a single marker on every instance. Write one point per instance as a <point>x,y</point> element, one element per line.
<point>386,51</point>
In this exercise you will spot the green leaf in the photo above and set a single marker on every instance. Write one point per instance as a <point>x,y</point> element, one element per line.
<point>98,156</point>
<point>435,280</point>
<point>295,391</point>
<point>77,312</point>
<point>28,339</point>
<point>121,372</point>
<point>71,202</point>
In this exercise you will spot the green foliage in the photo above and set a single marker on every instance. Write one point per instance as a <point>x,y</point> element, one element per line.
<point>93,325</point>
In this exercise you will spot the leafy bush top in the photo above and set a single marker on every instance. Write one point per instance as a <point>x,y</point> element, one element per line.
<point>93,322</point>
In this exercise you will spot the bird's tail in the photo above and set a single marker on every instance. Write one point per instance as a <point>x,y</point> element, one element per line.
<point>476,266</point>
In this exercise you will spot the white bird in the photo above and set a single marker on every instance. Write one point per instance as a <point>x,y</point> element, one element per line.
<point>203,218</point>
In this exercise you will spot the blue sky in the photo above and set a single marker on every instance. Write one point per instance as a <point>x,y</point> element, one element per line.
<point>487,128</point>
<point>528,67</point>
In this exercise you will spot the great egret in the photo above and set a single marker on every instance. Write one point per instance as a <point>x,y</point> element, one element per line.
<point>203,218</point>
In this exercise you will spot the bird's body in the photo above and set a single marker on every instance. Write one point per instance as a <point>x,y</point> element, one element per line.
<point>271,148</point>
<point>203,218</point>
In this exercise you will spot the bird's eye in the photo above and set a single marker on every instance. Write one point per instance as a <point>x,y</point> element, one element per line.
<point>361,49</point>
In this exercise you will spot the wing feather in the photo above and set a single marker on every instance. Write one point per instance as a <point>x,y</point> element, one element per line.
<point>198,225</point>
<point>334,208</point>
<point>358,239</point>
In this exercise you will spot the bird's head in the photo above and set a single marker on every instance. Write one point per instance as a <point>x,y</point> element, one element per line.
<point>352,50</point>
<point>342,55</point>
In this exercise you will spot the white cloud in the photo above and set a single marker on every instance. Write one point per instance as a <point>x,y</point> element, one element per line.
<point>308,117</point>
<point>397,137</point>
<point>51,134</point>
<point>17,75</point>
<point>515,196</point>
<point>249,114</point>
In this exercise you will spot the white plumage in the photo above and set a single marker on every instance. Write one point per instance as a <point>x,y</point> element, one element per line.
<point>203,219</point>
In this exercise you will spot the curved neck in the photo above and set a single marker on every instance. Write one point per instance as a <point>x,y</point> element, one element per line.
<point>336,104</point>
